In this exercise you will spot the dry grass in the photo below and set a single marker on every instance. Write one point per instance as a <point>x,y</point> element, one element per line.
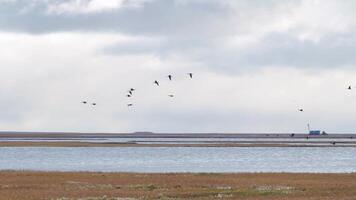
<point>100,186</point>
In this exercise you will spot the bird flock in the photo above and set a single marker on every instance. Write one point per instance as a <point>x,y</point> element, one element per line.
<point>85,102</point>
<point>156,82</point>
<point>131,91</point>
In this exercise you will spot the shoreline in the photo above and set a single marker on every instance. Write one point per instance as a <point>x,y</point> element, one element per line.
<point>114,144</point>
<point>82,135</point>
<point>99,186</point>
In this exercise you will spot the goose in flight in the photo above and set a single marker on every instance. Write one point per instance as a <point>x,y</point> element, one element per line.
<point>171,95</point>
<point>190,75</point>
<point>84,102</point>
<point>349,88</point>
<point>170,77</point>
<point>129,105</point>
<point>301,110</point>
<point>156,82</point>
<point>94,104</point>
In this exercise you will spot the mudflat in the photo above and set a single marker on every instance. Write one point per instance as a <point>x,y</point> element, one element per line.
<point>57,139</point>
<point>86,185</point>
<point>116,144</point>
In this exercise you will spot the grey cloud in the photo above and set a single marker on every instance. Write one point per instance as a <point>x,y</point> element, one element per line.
<point>336,50</point>
<point>194,30</point>
<point>153,18</point>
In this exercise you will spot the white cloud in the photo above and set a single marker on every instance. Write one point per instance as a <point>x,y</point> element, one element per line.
<point>90,6</point>
<point>43,79</point>
<point>84,6</point>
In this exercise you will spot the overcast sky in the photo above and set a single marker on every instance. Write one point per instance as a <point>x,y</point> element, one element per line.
<point>255,63</point>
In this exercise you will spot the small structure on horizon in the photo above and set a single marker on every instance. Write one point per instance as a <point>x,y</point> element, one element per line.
<point>313,132</point>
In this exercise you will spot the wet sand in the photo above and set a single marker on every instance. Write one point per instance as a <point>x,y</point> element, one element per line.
<point>70,185</point>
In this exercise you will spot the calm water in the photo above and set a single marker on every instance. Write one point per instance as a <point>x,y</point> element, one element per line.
<point>185,140</point>
<point>179,159</point>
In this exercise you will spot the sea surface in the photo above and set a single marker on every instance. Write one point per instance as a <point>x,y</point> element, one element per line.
<point>138,140</point>
<point>180,159</point>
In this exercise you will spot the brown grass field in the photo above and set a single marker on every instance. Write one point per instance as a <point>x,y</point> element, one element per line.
<point>100,186</point>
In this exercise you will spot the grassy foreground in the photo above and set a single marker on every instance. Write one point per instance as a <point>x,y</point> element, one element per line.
<point>64,186</point>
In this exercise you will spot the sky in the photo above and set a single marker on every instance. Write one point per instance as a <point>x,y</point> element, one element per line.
<point>255,63</point>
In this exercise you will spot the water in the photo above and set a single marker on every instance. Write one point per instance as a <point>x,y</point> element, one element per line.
<point>179,159</point>
<point>139,140</point>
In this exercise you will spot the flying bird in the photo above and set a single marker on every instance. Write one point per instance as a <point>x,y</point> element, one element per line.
<point>190,75</point>
<point>84,102</point>
<point>128,95</point>
<point>301,110</point>
<point>130,92</point>
<point>129,105</point>
<point>349,88</point>
<point>132,89</point>
<point>156,82</point>
<point>170,77</point>
<point>94,104</point>
<point>171,95</point>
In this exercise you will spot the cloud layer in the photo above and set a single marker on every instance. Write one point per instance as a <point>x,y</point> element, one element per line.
<point>255,64</point>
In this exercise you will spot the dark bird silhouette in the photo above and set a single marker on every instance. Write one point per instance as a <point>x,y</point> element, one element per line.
<point>171,95</point>
<point>130,92</point>
<point>94,104</point>
<point>132,89</point>
<point>130,104</point>
<point>156,82</point>
<point>301,110</point>
<point>190,75</point>
<point>333,143</point>
<point>170,77</point>
<point>128,95</point>
<point>84,102</point>
<point>349,88</point>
